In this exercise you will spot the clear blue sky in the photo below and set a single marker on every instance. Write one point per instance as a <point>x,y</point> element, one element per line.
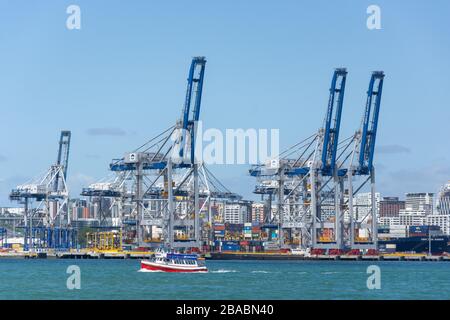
<point>269,66</point>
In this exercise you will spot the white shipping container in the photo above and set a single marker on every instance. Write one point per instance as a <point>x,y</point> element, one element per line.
<point>397,235</point>
<point>398,227</point>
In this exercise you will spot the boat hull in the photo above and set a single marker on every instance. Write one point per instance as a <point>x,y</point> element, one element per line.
<point>151,266</point>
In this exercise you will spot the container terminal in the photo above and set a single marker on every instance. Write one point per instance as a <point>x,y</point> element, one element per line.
<point>159,195</point>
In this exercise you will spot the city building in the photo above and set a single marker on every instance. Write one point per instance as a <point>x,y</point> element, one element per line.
<point>441,220</point>
<point>403,219</point>
<point>235,213</point>
<point>362,203</point>
<point>409,219</point>
<point>390,207</point>
<point>246,211</point>
<point>258,212</point>
<point>443,200</point>
<point>419,202</point>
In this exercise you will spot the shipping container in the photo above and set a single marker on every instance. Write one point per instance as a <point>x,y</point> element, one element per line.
<point>219,235</point>
<point>418,229</point>
<point>392,235</point>
<point>383,230</point>
<point>219,227</point>
<point>398,227</point>
<point>271,245</point>
<point>422,230</point>
<point>230,247</point>
<point>234,226</point>
<point>230,243</point>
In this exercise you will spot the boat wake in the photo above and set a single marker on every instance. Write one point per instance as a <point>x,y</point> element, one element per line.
<point>260,271</point>
<point>223,271</point>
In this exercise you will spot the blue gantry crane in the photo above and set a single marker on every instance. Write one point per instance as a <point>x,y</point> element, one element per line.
<point>62,159</point>
<point>325,186</point>
<point>316,180</point>
<point>185,127</point>
<point>289,180</point>
<point>333,123</point>
<point>49,220</point>
<point>156,183</point>
<point>162,157</point>
<point>361,170</point>
<point>193,101</point>
<point>370,124</point>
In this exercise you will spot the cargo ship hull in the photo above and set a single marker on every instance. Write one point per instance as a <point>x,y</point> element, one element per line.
<point>418,244</point>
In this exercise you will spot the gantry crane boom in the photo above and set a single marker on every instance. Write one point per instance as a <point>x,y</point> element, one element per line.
<point>193,101</point>
<point>333,122</point>
<point>370,124</point>
<point>63,157</point>
<point>361,164</point>
<point>186,125</point>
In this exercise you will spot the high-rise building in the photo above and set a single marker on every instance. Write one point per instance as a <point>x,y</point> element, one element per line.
<point>443,201</point>
<point>258,212</point>
<point>419,202</point>
<point>246,210</point>
<point>362,203</point>
<point>390,207</point>
<point>441,220</point>
<point>407,219</point>
<point>235,212</point>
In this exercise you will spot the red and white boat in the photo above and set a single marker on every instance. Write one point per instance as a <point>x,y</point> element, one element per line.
<point>174,262</point>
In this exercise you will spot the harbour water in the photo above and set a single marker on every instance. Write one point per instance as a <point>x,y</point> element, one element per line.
<point>121,279</point>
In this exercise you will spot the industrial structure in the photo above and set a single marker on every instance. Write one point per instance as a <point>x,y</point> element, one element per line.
<point>45,199</point>
<point>160,193</point>
<point>318,194</point>
<point>162,186</point>
<point>315,181</point>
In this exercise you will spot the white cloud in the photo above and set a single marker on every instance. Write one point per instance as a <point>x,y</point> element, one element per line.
<point>392,149</point>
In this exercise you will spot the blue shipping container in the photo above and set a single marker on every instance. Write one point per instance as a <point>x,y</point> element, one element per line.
<point>230,243</point>
<point>230,247</point>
